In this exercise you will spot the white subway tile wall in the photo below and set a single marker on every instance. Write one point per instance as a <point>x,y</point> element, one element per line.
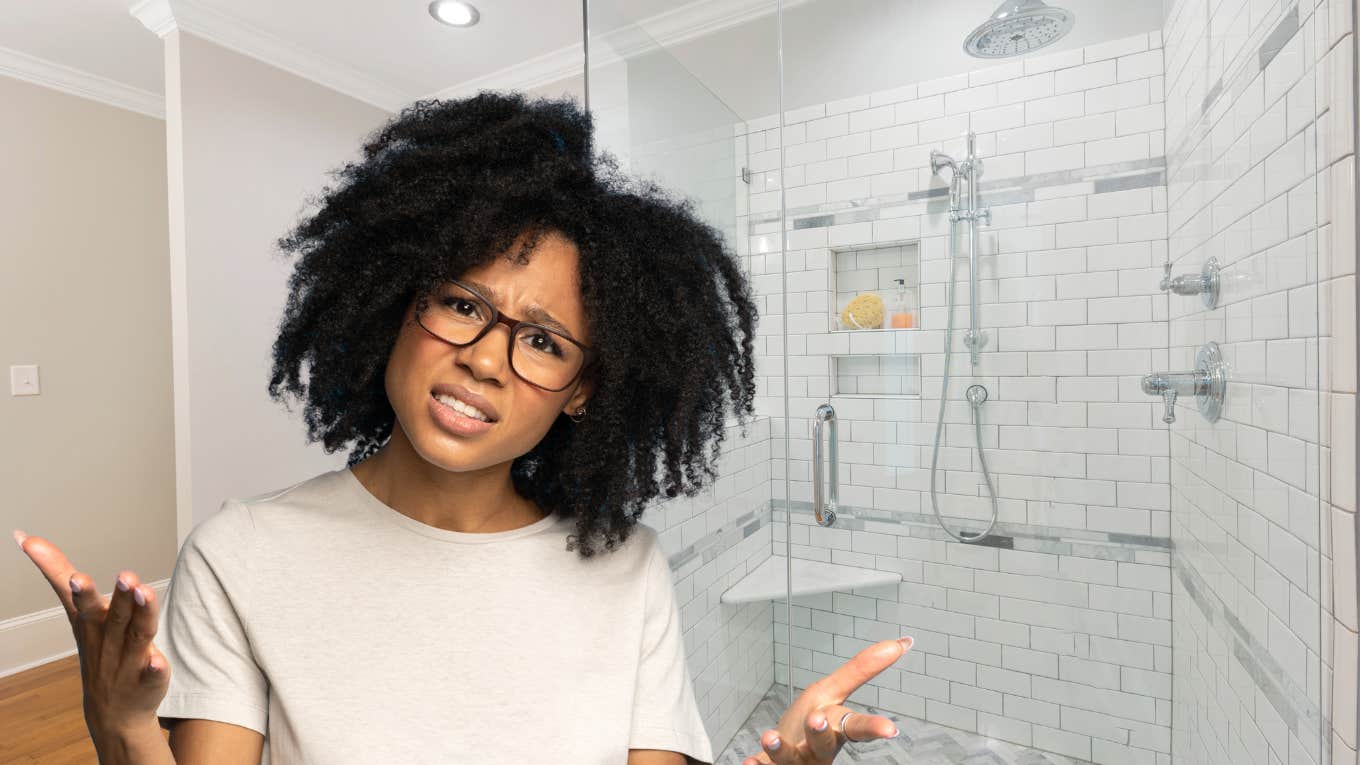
<point>1062,641</point>
<point>1260,176</point>
<point>713,540</point>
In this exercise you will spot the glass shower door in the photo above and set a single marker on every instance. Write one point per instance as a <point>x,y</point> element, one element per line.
<point>667,118</point>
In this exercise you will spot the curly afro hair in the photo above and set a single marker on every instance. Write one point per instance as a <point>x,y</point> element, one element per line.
<point>448,185</point>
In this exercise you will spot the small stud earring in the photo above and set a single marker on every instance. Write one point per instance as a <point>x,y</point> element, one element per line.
<point>580,412</point>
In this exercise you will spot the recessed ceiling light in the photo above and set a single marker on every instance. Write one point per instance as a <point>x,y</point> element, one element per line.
<point>454,13</point>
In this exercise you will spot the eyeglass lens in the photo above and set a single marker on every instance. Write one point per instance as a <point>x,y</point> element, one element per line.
<point>539,355</point>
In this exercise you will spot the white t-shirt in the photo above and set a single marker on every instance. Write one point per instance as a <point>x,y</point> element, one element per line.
<point>347,632</point>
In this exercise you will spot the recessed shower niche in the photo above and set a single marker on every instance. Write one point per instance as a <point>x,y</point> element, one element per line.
<point>872,328</point>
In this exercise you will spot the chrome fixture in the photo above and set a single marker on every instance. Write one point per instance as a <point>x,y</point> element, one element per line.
<point>1018,27</point>
<point>1208,383</point>
<point>824,511</point>
<point>968,170</point>
<point>974,338</point>
<point>1205,283</point>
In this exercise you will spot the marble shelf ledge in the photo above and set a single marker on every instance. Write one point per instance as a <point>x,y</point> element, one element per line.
<point>768,580</point>
<point>877,342</point>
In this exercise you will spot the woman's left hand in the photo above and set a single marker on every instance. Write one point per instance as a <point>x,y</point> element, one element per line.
<point>797,740</point>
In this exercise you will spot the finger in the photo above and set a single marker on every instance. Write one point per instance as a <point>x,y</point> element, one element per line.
<point>89,605</point>
<point>778,751</point>
<point>859,726</point>
<point>861,667</point>
<point>821,739</point>
<point>157,669</point>
<point>138,650</point>
<point>53,565</point>
<point>117,620</point>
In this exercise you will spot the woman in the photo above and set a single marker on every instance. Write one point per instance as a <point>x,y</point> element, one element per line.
<point>511,336</point>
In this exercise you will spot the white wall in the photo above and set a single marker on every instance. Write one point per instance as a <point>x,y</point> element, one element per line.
<point>247,143</point>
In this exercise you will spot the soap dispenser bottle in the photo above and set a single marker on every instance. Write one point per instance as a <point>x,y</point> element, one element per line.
<point>901,312</point>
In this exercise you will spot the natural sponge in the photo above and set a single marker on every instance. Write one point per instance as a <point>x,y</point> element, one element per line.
<point>865,311</point>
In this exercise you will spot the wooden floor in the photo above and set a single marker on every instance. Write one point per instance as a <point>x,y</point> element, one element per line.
<point>41,716</point>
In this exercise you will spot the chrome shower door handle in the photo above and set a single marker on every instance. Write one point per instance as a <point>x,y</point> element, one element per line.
<point>824,511</point>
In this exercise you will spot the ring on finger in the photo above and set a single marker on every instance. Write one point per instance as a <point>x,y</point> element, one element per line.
<point>846,733</point>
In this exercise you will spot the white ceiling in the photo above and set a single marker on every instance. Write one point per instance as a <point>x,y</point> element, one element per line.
<point>389,52</point>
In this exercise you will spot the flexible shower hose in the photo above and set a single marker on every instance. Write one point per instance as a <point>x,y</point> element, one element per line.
<point>962,536</point>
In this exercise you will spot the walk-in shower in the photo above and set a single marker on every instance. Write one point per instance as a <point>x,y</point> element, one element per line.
<point>1018,27</point>
<point>964,172</point>
<point>1158,420</point>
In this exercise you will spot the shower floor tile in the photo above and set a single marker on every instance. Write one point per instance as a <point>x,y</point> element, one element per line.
<point>920,743</point>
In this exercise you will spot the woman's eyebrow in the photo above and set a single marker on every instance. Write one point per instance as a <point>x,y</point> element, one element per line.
<point>532,312</point>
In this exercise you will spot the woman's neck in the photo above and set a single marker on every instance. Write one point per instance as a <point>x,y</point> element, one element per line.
<point>475,502</point>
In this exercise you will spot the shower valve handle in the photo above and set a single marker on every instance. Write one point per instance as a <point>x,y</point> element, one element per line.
<point>1169,399</point>
<point>1207,382</point>
<point>1205,283</point>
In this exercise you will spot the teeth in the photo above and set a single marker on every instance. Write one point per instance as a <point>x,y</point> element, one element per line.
<point>462,408</point>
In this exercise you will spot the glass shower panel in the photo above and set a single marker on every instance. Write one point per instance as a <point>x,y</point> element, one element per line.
<point>660,120</point>
<point>682,98</point>
<point>1248,174</point>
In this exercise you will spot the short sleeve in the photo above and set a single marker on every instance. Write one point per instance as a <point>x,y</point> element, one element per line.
<point>213,672</point>
<point>665,713</point>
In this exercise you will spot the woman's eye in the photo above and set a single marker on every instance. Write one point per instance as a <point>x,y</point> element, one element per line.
<point>544,343</point>
<point>459,305</point>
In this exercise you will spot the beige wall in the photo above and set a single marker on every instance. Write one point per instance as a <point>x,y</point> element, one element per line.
<point>84,295</point>
<point>248,142</point>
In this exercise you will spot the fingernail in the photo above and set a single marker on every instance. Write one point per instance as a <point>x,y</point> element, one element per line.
<point>825,723</point>
<point>75,586</point>
<point>122,584</point>
<point>19,537</point>
<point>774,745</point>
<point>139,597</point>
<point>906,641</point>
<point>895,732</point>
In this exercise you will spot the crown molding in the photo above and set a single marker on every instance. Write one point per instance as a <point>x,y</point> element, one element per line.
<point>48,74</point>
<point>165,16</point>
<point>675,26</point>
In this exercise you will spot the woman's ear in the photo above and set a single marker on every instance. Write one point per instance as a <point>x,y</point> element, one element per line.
<point>578,399</point>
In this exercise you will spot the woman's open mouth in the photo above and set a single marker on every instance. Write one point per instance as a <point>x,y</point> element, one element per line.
<point>456,417</point>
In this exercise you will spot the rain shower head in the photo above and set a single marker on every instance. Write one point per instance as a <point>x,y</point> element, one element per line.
<point>1018,27</point>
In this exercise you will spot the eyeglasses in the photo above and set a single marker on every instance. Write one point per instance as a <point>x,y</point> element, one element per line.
<point>541,356</point>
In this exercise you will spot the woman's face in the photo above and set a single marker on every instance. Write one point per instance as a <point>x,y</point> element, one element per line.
<point>523,412</point>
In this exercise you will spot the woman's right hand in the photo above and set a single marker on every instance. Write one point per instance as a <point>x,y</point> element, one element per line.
<point>123,675</point>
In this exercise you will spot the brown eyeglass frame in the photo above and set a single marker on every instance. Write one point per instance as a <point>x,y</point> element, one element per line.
<point>498,317</point>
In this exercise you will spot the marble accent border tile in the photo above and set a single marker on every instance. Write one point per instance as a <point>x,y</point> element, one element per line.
<point>1116,176</point>
<point>1236,79</point>
<point>1279,37</point>
<point>1290,701</point>
<point>716,542</point>
<point>1017,536</point>
<point>1101,545</point>
<point>1127,182</point>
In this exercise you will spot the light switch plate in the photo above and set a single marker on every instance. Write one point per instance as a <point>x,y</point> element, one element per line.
<point>23,380</point>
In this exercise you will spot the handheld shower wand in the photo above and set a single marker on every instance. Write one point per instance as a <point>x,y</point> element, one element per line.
<point>974,338</point>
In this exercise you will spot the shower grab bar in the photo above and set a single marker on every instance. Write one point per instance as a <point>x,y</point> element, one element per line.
<point>824,511</point>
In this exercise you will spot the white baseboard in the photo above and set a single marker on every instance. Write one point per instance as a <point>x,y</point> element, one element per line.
<point>35,639</point>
